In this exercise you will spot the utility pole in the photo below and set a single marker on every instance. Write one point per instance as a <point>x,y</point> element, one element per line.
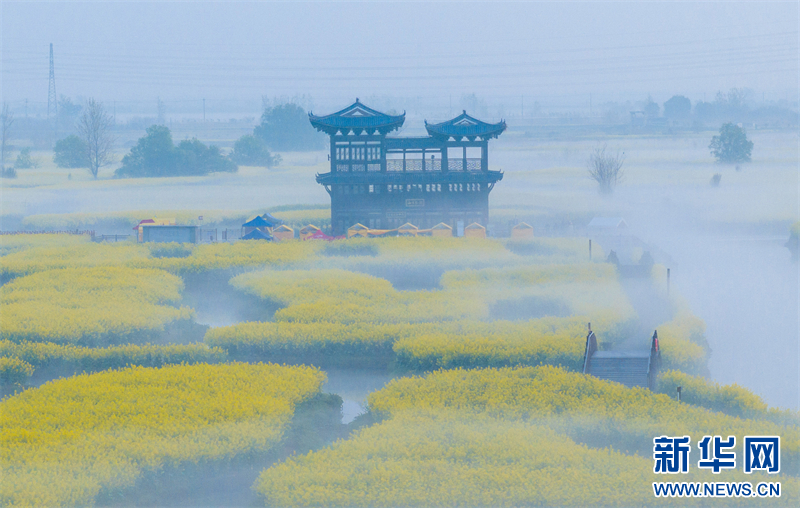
<point>52,102</point>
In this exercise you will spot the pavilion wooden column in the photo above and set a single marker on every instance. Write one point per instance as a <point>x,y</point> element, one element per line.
<point>333,155</point>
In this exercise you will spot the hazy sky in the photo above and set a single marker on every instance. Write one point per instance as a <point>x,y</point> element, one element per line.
<point>237,51</point>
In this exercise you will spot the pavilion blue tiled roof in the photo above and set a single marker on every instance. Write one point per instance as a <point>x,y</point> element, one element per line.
<point>465,126</point>
<point>357,118</point>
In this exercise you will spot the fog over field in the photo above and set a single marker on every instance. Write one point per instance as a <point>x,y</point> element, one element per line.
<point>412,56</point>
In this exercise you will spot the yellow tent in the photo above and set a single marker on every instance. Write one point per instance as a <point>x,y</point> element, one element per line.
<point>407,229</point>
<point>283,232</point>
<point>522,230</point>
<point>475,230</point>
<point>308,231</point>
<point>357,230</point>
<point>442,229</point>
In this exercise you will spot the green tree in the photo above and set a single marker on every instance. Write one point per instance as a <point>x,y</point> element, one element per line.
<point>731,145</point>
<point>156,155</point>
<point>286,128</point>
<point>24,160</point>
<point>651,109</point>
<point>677,106</point>
<point>153,155</point>
<point>252,151</point>
<point>199,159</point>
<point>71,152</point>
<point>68,113</point>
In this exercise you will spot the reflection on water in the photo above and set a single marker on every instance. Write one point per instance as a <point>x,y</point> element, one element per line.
<point>354,386</point>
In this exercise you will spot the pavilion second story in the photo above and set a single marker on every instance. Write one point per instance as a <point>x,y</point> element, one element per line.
<point>362,148</point>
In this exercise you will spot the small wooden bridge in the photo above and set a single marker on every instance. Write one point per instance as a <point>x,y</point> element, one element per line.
<point>631,368</point>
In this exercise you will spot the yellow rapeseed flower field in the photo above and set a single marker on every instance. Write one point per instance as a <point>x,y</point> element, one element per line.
<point>349,297</point>
<point>45,354</point>
<point>452,460</point>
<point>90,306</point>
<point>10,244</point>
<point>62,443</point>
<point>575,403</point>
<point>509,437</point>
<point>79,255</point>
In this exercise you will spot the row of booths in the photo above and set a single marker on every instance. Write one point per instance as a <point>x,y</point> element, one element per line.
<point>474,230</point>
<point>270,228</point>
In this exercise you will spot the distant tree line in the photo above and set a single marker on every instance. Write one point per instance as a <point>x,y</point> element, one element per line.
<point>156,155</point>
<point>736,106</point>
<point>283,127</point>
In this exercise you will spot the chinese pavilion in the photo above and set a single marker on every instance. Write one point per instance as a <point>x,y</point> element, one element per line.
<point>383,182</point>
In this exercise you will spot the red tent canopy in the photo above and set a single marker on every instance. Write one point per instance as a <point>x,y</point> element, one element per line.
<point>319,235</point>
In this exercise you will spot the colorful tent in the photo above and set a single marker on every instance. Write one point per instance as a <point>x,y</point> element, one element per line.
<point>257,234</point>
<point>319,235</point>
<point>408,229</point>
<point>475,230</point>
<point>258,222</point>
<point>357,230</point>
<point>442,229</point>
<point>271,219</point>
<point>307,231</point>
<point>283,232</point>
<point>522,230</point>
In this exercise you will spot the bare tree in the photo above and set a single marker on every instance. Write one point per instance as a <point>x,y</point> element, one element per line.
<point>606,169</point>
<point>94,127</point>
<point>6,121</point>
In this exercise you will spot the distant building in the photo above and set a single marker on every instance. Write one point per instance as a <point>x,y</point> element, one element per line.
<point>151,222</point>
<point>166,234</point>
<point>607,226</point>
<point>383,182</point>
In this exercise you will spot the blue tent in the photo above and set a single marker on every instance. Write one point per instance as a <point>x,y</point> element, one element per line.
<point>258,222</point>
<point>257,234</point>
<point>271,218</point>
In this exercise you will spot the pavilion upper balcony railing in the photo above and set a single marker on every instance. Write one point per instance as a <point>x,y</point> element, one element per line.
<point>472,164</point>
